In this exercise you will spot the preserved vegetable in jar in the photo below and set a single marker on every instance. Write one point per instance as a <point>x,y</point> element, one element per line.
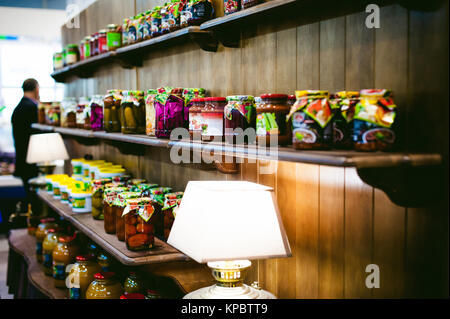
<point>111,111</point>
<point>72,55</point>
<point>109,196</point>
<point>105,261</point>
<point>113,37</point>
<point>133,112</point>
<point>169,111</point>
<point>133,284</point>
<point>240,115</point>
<point>132,30</point>
<point>83,102</point>
<point>196,12</point>
<point>195,118</point>
<point>58,61</point>
<point>49,243</point>
<point>82,274</point>
<point>104,286</point>
<point>231,6</point>
<point>165,16</point>
<point>150,113</point>
<point>171,204</point>
<point>98,187</point>
<point>188,95</point>
<point>96,109</point>
<point>155,22</point>
<point>311,117</point>
<point>142,30</point>
<point>63,255</point>
<point>214,119</point>
<point>343,106</point>
<point>139,224</point>
<point>271,115</point>
<point>41,232</point>
<point>374,121</point>
<point>125,31</point>
<point>68,112</point>
<point>118,207</point>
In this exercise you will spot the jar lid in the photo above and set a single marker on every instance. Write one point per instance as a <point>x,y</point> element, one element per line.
<point>139,201</point>
<point>66,239</point>
<point>274,96</point>
<point>84,257</point>
<point>216,99</point>
<point>152,91</point>
<point>291,97</point>
<point>199,99</point>
<point>376,92</point>
<point>311,93</point>
<point>47,220</point>
<point>112,26</point>
<point>51,230</point>
<point>242,98</point>
<point>104,275</point>
<point>132,296</point>
<point>102,31</point>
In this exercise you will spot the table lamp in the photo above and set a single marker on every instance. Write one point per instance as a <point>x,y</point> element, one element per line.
<point>225,224</point>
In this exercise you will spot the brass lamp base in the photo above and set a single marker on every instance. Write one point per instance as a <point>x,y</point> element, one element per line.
<point>230,277</point>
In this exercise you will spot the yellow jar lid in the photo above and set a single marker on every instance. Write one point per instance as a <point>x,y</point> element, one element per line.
<point>311,93</point>
<point>112,171</point>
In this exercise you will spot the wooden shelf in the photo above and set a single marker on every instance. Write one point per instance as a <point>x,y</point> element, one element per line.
<point>25,245</point>
<point>330,157</point>
<point>94,229</point>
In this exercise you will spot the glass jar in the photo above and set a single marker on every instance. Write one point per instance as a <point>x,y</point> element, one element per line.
<point>150,113</point>
<point>82,274</point>
<point>165,16</point>
<point>133,112</point>
<point>175,8</point>
<point>41,112</point>
<point>63,255</point>
<point>125,27</point>
<point>72,54</point>
<point>152,294</point>
<point>231,6</point>
<point>68,113</point>
<point>271,115</point>
<point>98,186</point>
<point>104,286</point>
<point>158,198</point>
<point>139,227</point>
<point>105,261</point>
<point>132,30</point>
<point>109,197</point>
<point>41,232</point>
<point>343,107</point>
<point>240,114</point>
<point>171,203</point>
<point>111,111</point>
<point>169,110</point>
<point>81,49</point>
<point>49,243</point>
<point>87,47</point>
<point>374,121</point>
<point>102,41</point>
<point>118,207</point>
<point>155,22</point>
<point>83,102</point>
<point>195,118</point>
<point>58,61</point>
<point>213,119</point>
<point>141,26</point>
<point>196,12</point>
<point>188,95</point>
<point>94,44</point>
<point>53,114</point>
<point>245,4</point>
<point>87,116</point>
<point>147,25</point>
<point>113,37</point>
<point>96,108</point>
<point>311,117</point>
<point>133,284</point>
<point>291,100</point>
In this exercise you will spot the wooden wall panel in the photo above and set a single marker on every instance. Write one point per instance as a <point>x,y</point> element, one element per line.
<point>336,224</point>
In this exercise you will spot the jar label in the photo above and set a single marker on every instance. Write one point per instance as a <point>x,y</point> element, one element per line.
<point>59,271</point>
<point>266,124</point>
<point>195,122</point>
<point>56,191</point>
<point>87,50</point>
<point>79,203</point>
<point>150,114</point>
<point>77,169</point>
<point>86,172</point>
<point>71,58</point>
<point>48,260</point>
<point>365,132</point>
<point>212,124</point>
<point>49,187</point>
<point>113,40</point>
<point>64,196</point>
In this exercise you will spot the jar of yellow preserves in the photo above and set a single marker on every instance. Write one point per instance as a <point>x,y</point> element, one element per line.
<point>40,233</point>
<point>104,286</point>
<point>49,243</point>
<point>63,255</point>
<point>81,275</point>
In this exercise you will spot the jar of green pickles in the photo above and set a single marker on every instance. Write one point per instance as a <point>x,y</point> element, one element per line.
<point>98,186</point>
<point>111,111</point>
<point>133,112</point>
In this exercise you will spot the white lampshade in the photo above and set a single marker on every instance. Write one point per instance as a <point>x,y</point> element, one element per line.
<point>46,148</point>
<point>229,220</point>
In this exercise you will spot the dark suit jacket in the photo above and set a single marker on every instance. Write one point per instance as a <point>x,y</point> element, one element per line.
<point>24,115</point>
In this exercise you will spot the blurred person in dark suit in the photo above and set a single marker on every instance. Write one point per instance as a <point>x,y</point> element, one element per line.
<point>25,114</point>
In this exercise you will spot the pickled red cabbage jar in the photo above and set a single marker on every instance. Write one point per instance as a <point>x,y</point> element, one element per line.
<point>169,111</point>
<point>240,115</point>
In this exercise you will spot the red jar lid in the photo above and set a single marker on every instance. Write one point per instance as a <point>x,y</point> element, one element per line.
<point>216,99</point>
<point>132,296</point>
<point>292,97</point>
<point>84,257</point>
<point>51,230</point>
<point>104,275</point>
<point>199,99</point>
<point>47,220</point>
<point>65,239</point>
<point>274,96</point>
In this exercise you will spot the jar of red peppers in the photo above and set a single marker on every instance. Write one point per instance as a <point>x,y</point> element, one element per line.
<point>195,12</point>
<point>133,112</point>
<point>374,121</point>
<point>169,111</point>
<point>139,226</point>
<point>311,120</point>
<point>109,197</point>
<point>213,119</point>
<point>119,205</point>
<point>343,105</point>
<point>195,118</point>
<point>271,119</point>
<point>111,111</point>
<point>102,41</point>
<point>240,115</point>
<point>96,108</point>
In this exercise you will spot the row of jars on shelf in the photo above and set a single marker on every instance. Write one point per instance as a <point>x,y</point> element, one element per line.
<point>82,268</point>
<point>311,119</point>
<point>172,16</point>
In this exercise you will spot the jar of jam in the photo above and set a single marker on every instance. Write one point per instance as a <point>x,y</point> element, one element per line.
<point>105,261</point>
<point>188,95</point>
<point>111,111</point>
<point>245,4</point>
<point>104,286</point>
<point>133,284</point>
<point>83,102</point>
<point>169,111</point>
<point>240,115</point>
<point>196,12</point>
<point>343,106</point>
<point>49,243</point>
<point>72,54</point>
<point>195,118</point>
<point>96,108</point>
<point>102,41</point>
<point>81,275</point>
<point>63,255</point>
<point>94,44</point>
<point>110,195</point>
<point>139,224</point>
<point>271,115</point>
<point>58,61</point>
<point>213,119</point>
<point>41,232</point>
<point>133,112</point>
<point>311,118</point>
<point>98,187</point>
<point>171,204</point>
<point>373,125</point>
<point>231,6</point>
<point>113,37</point>
<point>155,22</point>
<point>118,207</point>
<point>150,113</point>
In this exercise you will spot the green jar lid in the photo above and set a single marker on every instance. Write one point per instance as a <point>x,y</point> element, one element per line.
<point>152,91</point>
<point>242,98</point>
